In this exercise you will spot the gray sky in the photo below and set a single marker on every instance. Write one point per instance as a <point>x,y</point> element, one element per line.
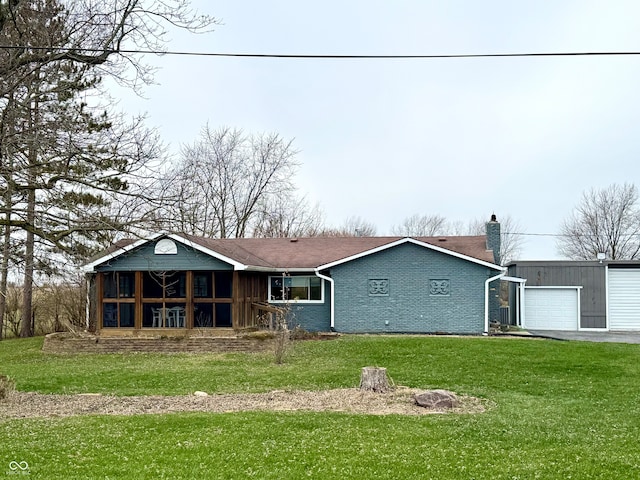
<point>385,139</point>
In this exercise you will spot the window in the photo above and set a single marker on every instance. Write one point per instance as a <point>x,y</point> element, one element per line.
<point>119,285</point>
<point>118,293</point>
<point>127,314</point>
<point>202,285</point>
<point>220,287</point>
<point>223,314</point>
<point>203,315</point>
<point>164,284</point>
<point>297,289</point>
<point>224,284</point>
<point>164,315</point>
<point>110,315</point>
<point>212,292</point>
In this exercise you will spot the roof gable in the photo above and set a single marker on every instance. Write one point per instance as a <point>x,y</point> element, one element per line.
<point>414,241</point>
<point>129,248</point>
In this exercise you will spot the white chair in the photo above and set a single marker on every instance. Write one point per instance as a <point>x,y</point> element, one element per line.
<point>170,318</point>
<point>180,317</point>
<point>157,317</point>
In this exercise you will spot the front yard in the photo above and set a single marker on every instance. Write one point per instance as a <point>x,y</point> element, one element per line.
<point>555,410</point>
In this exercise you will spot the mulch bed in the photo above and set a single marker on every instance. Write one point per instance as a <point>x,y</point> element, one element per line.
<point>350,400</point>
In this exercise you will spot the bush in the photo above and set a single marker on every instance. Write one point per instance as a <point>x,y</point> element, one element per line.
<point>260,335</point>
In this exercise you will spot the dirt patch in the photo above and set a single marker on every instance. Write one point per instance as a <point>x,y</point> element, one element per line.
<point>351,400</point>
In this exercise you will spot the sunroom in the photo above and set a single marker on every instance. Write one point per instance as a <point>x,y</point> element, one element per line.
<point>165,286</point>
<point>166,299</point>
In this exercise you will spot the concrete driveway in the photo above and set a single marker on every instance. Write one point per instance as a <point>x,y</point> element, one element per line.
<point>615,337</point>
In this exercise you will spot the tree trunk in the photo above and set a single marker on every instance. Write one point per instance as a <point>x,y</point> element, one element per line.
<point>29,253</point>
<point>7,173</point>
<point>29,259</point>
<point>4,273</point>
<point>374,379</point>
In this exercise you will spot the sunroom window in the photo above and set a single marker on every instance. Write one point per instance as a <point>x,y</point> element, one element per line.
<point>118,292</point>
<point>297,289</point>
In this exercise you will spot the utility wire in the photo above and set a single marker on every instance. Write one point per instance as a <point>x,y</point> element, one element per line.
<point>322,56</point>
<point>540,234</point>
<point>571,235</point>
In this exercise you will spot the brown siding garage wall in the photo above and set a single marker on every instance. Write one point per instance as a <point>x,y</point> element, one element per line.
<point>589,275</point>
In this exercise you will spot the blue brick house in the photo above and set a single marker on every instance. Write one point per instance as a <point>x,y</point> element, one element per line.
<point>175,283</point>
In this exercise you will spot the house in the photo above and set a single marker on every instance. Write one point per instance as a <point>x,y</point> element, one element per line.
<point>170,283</point>
<point>594,295</point>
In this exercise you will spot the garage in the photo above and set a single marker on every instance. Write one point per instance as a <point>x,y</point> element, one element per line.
<point>551,308</point>
<point>624,298</point>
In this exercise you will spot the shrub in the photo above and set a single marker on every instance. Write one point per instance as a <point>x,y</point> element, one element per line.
<point>260,335</point>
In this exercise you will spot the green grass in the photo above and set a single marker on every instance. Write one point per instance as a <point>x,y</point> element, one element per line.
<point>560,410</point>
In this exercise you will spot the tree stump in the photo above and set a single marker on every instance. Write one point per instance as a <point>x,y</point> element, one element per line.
<point>374,379</point>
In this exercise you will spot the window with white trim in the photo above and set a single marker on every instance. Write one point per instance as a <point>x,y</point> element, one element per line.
<point>296,289</point>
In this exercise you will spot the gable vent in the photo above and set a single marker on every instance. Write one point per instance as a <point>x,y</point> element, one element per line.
<point>166,247</point>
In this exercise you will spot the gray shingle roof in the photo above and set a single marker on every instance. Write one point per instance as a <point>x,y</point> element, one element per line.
<point>310,252</point>
<point>313,252</point>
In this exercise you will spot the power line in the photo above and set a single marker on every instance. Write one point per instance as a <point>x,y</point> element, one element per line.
<point>320,56</point>
<point>592,235</point>
<point>536,234</point>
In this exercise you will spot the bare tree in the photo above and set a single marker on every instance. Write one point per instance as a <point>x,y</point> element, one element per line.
<point>421,226</point>
<point>226,180</point>
<point>288,217</point>
<point>605,221</point>
<point>352,227</point>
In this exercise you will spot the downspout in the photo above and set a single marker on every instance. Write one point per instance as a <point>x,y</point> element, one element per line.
<point>521,312</point>
<point>486,299</point>
<point>330,280</point>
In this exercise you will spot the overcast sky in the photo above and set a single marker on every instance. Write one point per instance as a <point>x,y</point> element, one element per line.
<point>385,139</point>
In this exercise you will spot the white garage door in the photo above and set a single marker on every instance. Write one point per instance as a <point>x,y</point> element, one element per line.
<point>624,299</point>
<point>551,308</point>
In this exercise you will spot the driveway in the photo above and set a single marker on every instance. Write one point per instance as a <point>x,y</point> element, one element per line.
<point>615,337</point>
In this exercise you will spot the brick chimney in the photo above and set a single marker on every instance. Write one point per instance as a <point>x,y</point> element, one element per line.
<point>493,243</point>
<point>493,238</point>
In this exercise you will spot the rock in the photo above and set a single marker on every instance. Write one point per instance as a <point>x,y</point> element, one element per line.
<point>437,399</point>
<point>200,394</point>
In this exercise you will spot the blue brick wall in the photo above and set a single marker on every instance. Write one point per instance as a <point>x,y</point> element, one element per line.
<point>314,317</point>
<point>409,306</point>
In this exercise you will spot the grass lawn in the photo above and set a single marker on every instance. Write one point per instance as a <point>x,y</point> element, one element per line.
<point>559,410</point>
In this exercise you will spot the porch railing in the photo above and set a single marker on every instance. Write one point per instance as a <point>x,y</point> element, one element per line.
<point>264,314</point>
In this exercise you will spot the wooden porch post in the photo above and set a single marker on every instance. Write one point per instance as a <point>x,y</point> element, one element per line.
<point>235,301</point>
